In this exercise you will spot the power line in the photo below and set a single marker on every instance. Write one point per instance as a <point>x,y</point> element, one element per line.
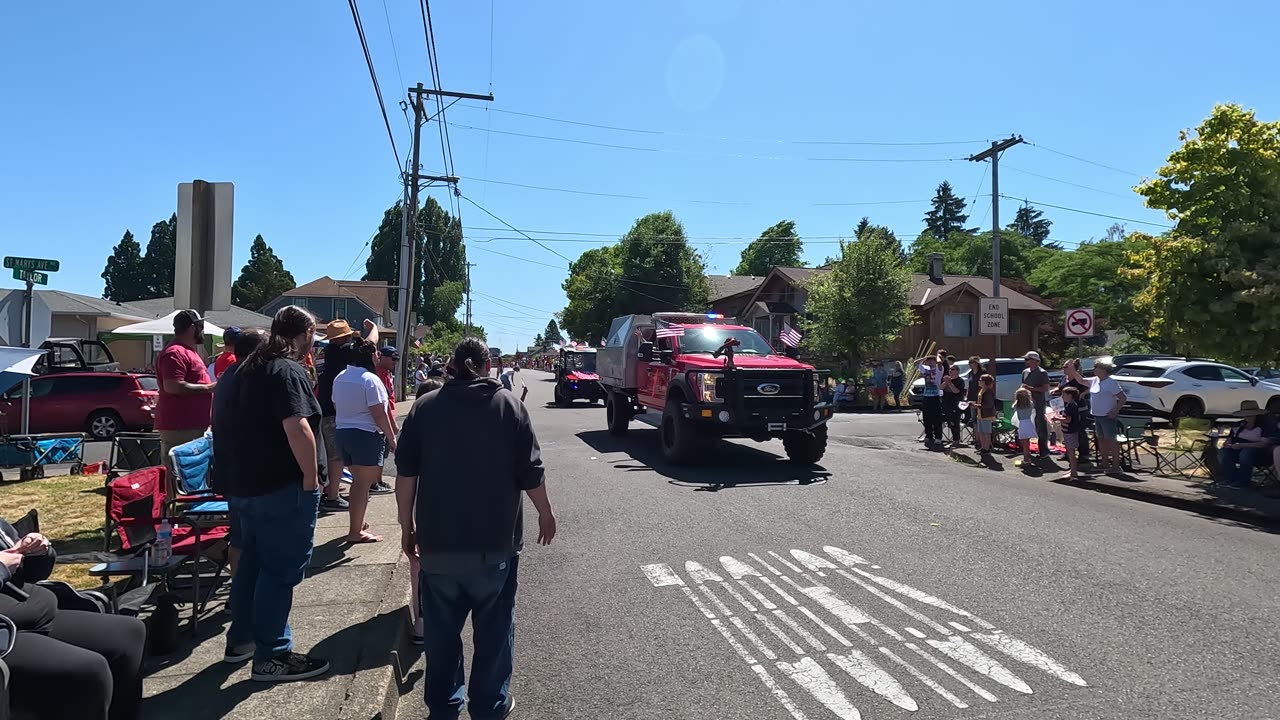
<point>509,302</point>
<point>373,75</point>
<point>1066,182</point>
<point>513,227</point>
<point>392,35</point>
<point>517,257</point>
<point>1090,212</point>
<point>1084,160</point>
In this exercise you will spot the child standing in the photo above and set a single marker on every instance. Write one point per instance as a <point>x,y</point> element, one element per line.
<point>1071,424</point>
<point>986,412</point>
<point>1025,410</point>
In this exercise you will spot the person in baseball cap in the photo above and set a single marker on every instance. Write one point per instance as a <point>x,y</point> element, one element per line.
<point>1036,380</point>
<point>224,359</point>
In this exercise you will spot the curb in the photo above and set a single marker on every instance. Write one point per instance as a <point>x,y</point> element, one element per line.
<point>374,694</point>
<point>1207,507</point>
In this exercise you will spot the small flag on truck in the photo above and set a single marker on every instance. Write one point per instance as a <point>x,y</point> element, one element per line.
<point>670,331</point>
<point>789,336</point>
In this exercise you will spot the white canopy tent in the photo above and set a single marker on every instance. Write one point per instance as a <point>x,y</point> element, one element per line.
<point>162,326</point>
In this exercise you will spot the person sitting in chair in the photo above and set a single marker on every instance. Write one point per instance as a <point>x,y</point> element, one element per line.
<point>64,663</point>
<point>1246,446</point>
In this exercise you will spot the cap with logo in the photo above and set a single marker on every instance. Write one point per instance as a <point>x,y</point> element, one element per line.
<point>185,319</point>
<point>389,351</point>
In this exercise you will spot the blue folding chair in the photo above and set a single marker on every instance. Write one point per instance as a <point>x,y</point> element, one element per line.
<point>192,496</point>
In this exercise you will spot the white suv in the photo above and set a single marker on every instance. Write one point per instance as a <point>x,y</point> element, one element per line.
<point>1008,379</point>
<point>1181,388</point>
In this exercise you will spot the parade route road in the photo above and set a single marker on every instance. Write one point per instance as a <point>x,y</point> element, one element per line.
<point>885,583</point>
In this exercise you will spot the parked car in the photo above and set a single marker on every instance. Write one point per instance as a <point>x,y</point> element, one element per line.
<point>75,355</point>
<point>1008,379</point>
<point>1271,374</point>
<point>1192,388</point>
<point>98,403</point>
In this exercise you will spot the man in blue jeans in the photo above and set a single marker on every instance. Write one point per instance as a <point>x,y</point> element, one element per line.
<point>467,451</point>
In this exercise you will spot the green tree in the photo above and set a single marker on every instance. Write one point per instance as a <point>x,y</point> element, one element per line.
<point>1212,284</point>
<point>159,262</point>
<point>1030,223</point>
<point>862,305</point>
<point>778,246</point>
<point>1093,275</point>
<point>262,279</point>
<point>966,254</point>
<point>883,234</point>
<point>124,275</point>
<point>439,257</point>
<point>592,288</point>
<point>551,336</point>
<point>947,215</point>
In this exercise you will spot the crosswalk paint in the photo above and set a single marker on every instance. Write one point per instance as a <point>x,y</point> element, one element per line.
<point>928,681</point>
<point>804,634</point>
<point>808,674</point>
<point>961,650</point>
<point>976,688</point>
<point>1023,652</point>
<point>752,637</point>
<point>772,627</point>
<point>865,671</point>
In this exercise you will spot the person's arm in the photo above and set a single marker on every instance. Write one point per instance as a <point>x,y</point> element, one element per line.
<point>302,442</point>
<point>174,375</point>
<point>370,331</point>
<point>531,476</point>
<point>408,466</point>
<point>1121,399</point>
<point>383,419</point>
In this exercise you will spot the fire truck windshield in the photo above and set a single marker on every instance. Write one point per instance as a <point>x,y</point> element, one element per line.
<point>709,339</point>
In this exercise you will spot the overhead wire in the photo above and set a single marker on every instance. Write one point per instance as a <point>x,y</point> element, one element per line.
<point>514,228</point>
<point>522,259</point>
<point>1083,160</point>
<point>510,302</point>
<point>1065,182</point>
<point>394,53</point>
<point>1090,212</point>
<point>373,75</point>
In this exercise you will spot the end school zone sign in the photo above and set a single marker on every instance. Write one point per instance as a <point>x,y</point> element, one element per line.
<point>993,316</point>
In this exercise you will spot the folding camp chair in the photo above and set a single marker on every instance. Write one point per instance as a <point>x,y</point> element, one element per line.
<point>1132,433</point>
<point>135,508</point>
<point>133,451</point>
<point>1004,431</point>
<point>1185,456</point>
<point>190,493</point>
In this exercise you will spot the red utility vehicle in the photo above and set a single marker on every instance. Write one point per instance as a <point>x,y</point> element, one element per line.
<point>576,376</point>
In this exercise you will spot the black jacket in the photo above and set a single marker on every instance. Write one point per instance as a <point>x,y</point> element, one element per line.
<point>34,567</point>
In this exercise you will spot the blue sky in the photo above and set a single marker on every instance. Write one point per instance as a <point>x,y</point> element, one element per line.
<point>107,106</point>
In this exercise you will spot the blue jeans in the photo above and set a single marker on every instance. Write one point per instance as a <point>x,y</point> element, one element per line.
<point>489,595</point>
<point>1245,458</point>
<point>277,531</point>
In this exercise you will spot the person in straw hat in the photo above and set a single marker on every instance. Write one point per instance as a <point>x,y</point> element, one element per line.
<point>339,334</point>
<point>1245,447</point>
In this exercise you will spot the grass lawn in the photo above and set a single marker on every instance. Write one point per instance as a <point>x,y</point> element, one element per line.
<point>72,512</point>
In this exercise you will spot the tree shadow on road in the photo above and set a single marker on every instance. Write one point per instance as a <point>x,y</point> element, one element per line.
<point>724,465</point>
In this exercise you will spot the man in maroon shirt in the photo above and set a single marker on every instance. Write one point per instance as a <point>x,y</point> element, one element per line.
<point>186,394</point>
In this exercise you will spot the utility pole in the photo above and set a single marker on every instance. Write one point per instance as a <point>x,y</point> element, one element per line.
<point>993,154</point>
<point>468,321</point>
<point>26,343</point>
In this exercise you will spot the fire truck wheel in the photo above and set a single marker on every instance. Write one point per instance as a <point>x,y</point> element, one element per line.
<point>806,447</point>
<point>679,436</point>
<point>617,413</point>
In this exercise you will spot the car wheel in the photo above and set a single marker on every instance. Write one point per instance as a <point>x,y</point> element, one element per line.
<point>560,399</point>
<point>617,413</point>
<point>1273,405</point>
<point>1188,408</point>
<point>679,436</point>
<point>104,424</point>
<point>806,447</point>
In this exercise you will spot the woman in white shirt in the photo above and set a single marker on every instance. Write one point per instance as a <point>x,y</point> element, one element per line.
<point>364,431</point>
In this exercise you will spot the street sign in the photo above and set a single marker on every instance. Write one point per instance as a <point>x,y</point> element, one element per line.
<point>34,276</point>
<point>1079,323</point>
<point>21,263</point>
<point>157,342</point>
<point>993,316</point>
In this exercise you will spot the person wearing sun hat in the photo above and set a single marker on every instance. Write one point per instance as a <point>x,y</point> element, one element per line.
<point>1246,446</point>
<point>339,334</point>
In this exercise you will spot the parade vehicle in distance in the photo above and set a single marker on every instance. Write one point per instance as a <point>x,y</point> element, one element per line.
<point>576,377</point>
<point>701,376</point>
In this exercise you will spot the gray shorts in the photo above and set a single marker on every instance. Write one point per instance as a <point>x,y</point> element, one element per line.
<point>1106,427</point>
<point>984,426</point>
<point>329,433</point>
<point>361,448</point>
<point>1071,441</point>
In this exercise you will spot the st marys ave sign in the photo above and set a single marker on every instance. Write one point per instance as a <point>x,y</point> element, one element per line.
<point>993,316</point>
<point>21,263</point>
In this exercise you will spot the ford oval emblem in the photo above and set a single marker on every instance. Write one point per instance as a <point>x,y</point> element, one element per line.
<point>768,388</point>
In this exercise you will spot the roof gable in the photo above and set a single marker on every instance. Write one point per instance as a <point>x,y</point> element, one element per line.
<point>372,293</point>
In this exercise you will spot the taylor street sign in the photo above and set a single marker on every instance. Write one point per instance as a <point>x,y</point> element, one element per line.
<point>34,276</point>
<point>21,263</point>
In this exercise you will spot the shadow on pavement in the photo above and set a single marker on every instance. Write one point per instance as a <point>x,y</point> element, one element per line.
<point>725,465</point>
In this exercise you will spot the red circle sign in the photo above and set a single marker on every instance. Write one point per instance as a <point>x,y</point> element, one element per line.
<point>1080,323</point>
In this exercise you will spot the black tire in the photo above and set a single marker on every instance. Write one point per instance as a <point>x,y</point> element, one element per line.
<point>1273,405</point>
<point>806,447</point>
<point>1188,407</point>
<point>678,435</point>
<point>560,399</point>
<point>104,424</point>
<point>617,412</point>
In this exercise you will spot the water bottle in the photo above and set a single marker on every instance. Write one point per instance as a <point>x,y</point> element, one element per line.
<point>164,542</point>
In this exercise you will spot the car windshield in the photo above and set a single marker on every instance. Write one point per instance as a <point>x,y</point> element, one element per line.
<point>709,339</point>
<point>580,361</point>
<point>1139,371</point>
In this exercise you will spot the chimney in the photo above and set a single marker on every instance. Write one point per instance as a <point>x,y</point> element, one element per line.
<point>935,267</point>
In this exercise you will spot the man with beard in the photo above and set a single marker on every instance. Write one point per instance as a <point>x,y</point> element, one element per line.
<point>186,393</point>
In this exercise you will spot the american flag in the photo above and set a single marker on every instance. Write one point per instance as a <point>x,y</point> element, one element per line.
<point>670,331</point>
<point>789,336</point>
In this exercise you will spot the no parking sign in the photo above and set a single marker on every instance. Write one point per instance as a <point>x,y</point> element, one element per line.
<point>1079,323</point>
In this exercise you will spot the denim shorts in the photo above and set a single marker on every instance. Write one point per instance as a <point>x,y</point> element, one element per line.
<point>360,447</point>
<point>1071,441</point>
<point>1106,427</point>
<point>984,426</point>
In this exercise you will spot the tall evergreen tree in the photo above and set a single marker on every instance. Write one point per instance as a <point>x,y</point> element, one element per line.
<point>439,256</point>
<point>552,336</point>
<point>262,279</point>
<point>1030,223</point>
<point>124,275</point>
<point>158,263</point>
<point>890,239</point>
<point>947,215</point>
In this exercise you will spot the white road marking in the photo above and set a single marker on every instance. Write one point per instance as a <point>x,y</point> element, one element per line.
<point>813,562</point>
<point>698,603</point>
<point>797,629</point>
<point>772,627</point>
<point>861,668</point>
<point>929,682</point>
<point>923,597</point>
<point>808,674</point>
<point>792,583</point>
<point>830,630</point>
<point>845,557</point>
<point>778,692</point>
<point>736,568</point>
<point>700,574</point>
<point>733,641</point>
<point>724,609</point>
<point>766,565</point>
<point>738,596</point>
<point>959,627</point>
<point>915,632</point>
<point>785,563</point>
<point>1021,651</point>
<point>961,650</point>
<point>981,692</point>
<point>766,602</point>
<point>897,603</point>
<point>751,636</point>
<point>661,574</point>
<point>851,615</point>
<point>782,593</point>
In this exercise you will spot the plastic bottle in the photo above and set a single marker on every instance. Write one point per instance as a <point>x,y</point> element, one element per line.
<point>164,542</point>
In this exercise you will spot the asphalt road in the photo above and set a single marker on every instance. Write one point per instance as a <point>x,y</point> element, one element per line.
<point>1041,600</point>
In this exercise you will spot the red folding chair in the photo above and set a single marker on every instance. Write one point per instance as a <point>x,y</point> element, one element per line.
<point>135,508</point>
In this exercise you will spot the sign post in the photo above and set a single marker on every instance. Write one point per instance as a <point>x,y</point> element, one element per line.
<point>1078,324</point>
<point>32,271</point>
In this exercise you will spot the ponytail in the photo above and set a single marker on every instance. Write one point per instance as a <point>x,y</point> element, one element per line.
<point>469,358</point>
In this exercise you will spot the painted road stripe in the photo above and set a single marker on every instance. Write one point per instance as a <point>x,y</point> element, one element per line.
<point>772,627</point>
<point>700,574</point>
<point>981,692</point>
<point>698,603</point>
<point>851,615</point>
<point>797,629</point>
<point>897,603</point>
<point>753,638</point>
<point>929,682</point>
<point>962,651</point>
<point>733,642</point>
<point>922,596</point>
<point>915,632</point>
<point>808,674</point>
<point>829,630</point>
<point>861,668</point>
<point>792,583</point>
<point>766,565</point>
<point>778,692</point>
<point>764,601</point>
<point>1021,651</point>
<point>959,627</point>
<point>724,609</point>
<point>815,564</point>
<point>738,596</point>
<point>785,563</point>
<point>845,557</point>
<point>660,574</point>
<point>782,593</point>
<point>740,571</point>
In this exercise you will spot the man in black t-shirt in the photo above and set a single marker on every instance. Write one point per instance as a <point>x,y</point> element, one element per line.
<point>273,490</point>
<point>952,393</point>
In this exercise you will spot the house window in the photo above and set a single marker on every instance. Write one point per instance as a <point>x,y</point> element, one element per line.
<point>957,325</point>
<point>761,325</point>
<point>340,308</point>
<point>1015,325</point>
